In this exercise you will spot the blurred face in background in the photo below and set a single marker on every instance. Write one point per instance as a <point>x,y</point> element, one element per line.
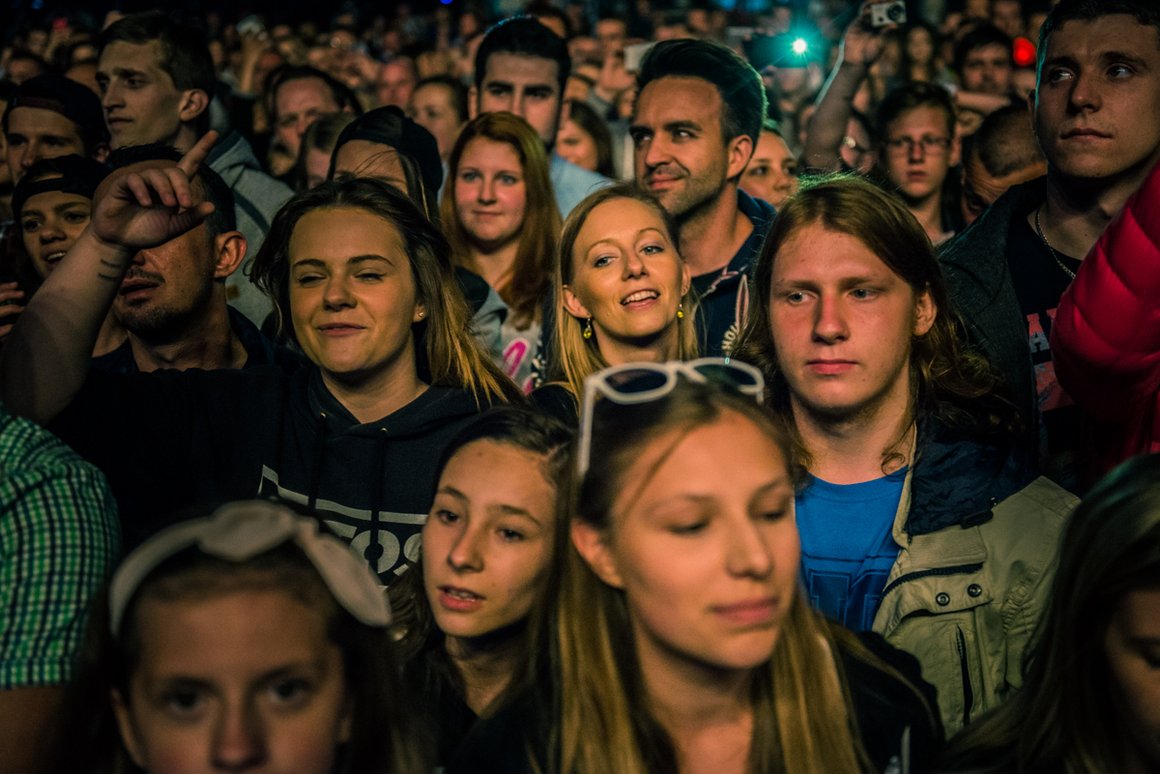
<point>574,144</point>
<point>433,108</point>
<point>772,172</point>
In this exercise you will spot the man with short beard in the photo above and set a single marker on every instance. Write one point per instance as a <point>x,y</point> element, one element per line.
<point>697,121</point>
<point>172,302</point>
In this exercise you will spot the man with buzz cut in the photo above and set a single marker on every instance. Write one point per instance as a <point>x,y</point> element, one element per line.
<point>157,78</point>
<point>1096,114</point>
<point>698,117</point>
<point>521,67</point>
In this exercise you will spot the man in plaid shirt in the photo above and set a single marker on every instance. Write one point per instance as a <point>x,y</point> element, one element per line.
<point>59,541</point>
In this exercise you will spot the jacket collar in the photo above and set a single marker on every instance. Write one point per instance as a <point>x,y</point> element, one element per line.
<point>956,480</point>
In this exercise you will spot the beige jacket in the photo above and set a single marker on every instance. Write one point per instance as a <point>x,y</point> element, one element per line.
<point>965,599</point>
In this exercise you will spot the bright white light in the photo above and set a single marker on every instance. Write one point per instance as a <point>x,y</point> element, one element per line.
<point>800,46</point>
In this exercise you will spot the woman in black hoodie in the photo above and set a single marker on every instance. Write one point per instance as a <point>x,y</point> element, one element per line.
<point>361,281</point>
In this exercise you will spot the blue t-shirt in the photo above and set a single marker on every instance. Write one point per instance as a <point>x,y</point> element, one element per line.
<point>847,545</point>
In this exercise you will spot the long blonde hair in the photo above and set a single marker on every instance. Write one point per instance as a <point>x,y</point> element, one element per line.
<point>530,274</point>
<point>802,716</point>
<point>574,357</point>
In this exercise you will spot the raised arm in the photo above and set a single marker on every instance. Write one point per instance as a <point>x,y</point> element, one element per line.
<point>46,358</point>
<point>861,46</point>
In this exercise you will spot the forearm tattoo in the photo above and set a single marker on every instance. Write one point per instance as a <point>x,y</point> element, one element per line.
<point>116,271</point>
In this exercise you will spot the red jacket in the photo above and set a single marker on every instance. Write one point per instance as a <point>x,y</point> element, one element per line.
<point>1106,337</point>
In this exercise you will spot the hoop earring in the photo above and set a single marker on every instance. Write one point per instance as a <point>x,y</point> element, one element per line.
<point>587,334</point>
<point>680,311</point>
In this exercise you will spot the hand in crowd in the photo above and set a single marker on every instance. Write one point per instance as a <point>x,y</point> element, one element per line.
<point>253,45</point>
<point>862,44</point>
<point>138,210</point>
<point>10,295</point>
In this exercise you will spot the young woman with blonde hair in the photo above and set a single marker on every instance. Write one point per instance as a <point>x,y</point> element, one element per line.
<point>684,641</point>
<point>622,293</point>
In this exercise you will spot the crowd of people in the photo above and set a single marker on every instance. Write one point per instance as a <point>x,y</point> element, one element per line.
<point>582,387</point>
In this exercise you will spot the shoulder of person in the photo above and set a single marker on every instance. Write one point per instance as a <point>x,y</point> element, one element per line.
<point>895,708</point>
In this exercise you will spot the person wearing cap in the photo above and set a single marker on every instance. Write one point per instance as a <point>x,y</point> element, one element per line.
<point>387,145</point>
<point>59,541</point>
<point>53,204</point>
<point>246,639</point>
<point>52,116</point>
<point>157,79</point>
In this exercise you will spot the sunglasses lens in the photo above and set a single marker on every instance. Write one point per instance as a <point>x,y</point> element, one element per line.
<point>737,378</point>
<point>636,381</point>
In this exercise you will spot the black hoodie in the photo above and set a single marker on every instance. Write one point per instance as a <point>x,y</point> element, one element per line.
<point>172,440</point>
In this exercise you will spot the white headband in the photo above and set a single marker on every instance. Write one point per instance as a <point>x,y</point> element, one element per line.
<point>242,530</point>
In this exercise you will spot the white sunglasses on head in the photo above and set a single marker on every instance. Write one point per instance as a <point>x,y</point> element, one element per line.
<point>644,382</point>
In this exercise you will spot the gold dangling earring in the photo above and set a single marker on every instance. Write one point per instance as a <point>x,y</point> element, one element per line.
<point>680,311</point>
<point>587,329</point>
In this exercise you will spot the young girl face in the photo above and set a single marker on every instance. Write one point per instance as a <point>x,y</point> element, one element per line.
<point>703,544</point>
<point>1132,647</point>
<point>490,192</point>
<point>626,274</point>
<point>51,223</point>
<point>240,681</point>
<point>487,542</point>
<point>353,297</point>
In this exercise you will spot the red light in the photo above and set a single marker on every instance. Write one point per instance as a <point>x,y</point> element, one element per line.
<point>1023,52</point>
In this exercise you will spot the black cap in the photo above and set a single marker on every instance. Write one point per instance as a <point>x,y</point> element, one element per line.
<point>72,100</point>
<point>69,174</point>
<point>390,126</point>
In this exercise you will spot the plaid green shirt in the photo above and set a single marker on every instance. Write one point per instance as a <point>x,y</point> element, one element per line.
<point>59,541</point>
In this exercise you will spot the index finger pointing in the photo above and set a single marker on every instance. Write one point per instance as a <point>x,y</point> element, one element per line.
<point>193,158</point>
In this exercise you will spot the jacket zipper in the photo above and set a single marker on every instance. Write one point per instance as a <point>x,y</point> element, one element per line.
<point>968,693</point>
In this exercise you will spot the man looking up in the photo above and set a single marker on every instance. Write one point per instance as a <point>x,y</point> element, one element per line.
<point>1096,111</point>
<point>521,67</point>
<point>699,112</point>
<point>916,122</point>
<point>299,96</point>
<point>157,77</point>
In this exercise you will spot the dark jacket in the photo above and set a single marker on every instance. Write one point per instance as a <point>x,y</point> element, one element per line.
<point>260,351</point>
<point>174,439</point>
<point>976,267</point>
<point>723,296</point>
<point>894,722</point>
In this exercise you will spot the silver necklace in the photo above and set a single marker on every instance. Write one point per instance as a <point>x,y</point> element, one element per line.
<point>1055,255</point>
